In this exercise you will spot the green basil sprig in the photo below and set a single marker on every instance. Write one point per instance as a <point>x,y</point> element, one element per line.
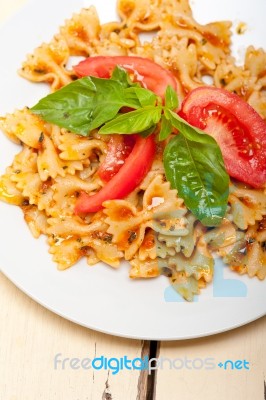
<point>89,102</point>
<point>192,159</point>
<point>194,165</point>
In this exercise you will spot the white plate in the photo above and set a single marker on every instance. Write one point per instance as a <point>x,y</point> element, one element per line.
<point>99,297</point>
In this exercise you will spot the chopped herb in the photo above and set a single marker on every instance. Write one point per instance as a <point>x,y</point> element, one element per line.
<point>132,236</point>
<point>241,28</point>
<point>84,249</point>
<point>25,202</point>
<point>73,77</point>
<point>107,237</point>
<point>251,240</point>
<point>167,272</point>
<point>41,138</point>
<point>39,70</point>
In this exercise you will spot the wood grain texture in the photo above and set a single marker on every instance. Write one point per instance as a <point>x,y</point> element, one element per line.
<point>248,342</point>
<point>31,336</point>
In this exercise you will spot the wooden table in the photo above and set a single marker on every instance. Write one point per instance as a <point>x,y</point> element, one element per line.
<point>31,337</point>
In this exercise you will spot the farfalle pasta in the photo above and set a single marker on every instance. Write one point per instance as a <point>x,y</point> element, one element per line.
<point>151,228</point>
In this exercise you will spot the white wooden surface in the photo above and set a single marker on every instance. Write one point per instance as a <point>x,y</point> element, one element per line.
<point>31,336</point>
<point>248,342</point>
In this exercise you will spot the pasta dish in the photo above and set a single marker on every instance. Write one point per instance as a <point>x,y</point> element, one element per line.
<point>141,177</point>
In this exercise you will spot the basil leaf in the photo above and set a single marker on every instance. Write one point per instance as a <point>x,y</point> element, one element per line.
<point>148,131</point>
<point>196,170</point>
<point>134,121</point>
<point>171,99</point>
<point>145,96</point>
<point>121,75</point>
<point>166,128</point>
<point>191,132</point>
<point>85,104</point>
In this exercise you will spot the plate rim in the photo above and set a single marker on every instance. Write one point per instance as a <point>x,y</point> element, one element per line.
<point>129,336</point>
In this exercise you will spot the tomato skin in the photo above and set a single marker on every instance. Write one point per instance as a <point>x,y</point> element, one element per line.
<point>118,149</point>
<point>151,75</point>
<point>236,126</point>
<point>130,175</point>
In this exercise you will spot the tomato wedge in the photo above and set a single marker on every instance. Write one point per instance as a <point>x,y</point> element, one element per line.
<point>237,127</point>
<point>133,171</point>
<point>118,149</point>
<point>151,75</point>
